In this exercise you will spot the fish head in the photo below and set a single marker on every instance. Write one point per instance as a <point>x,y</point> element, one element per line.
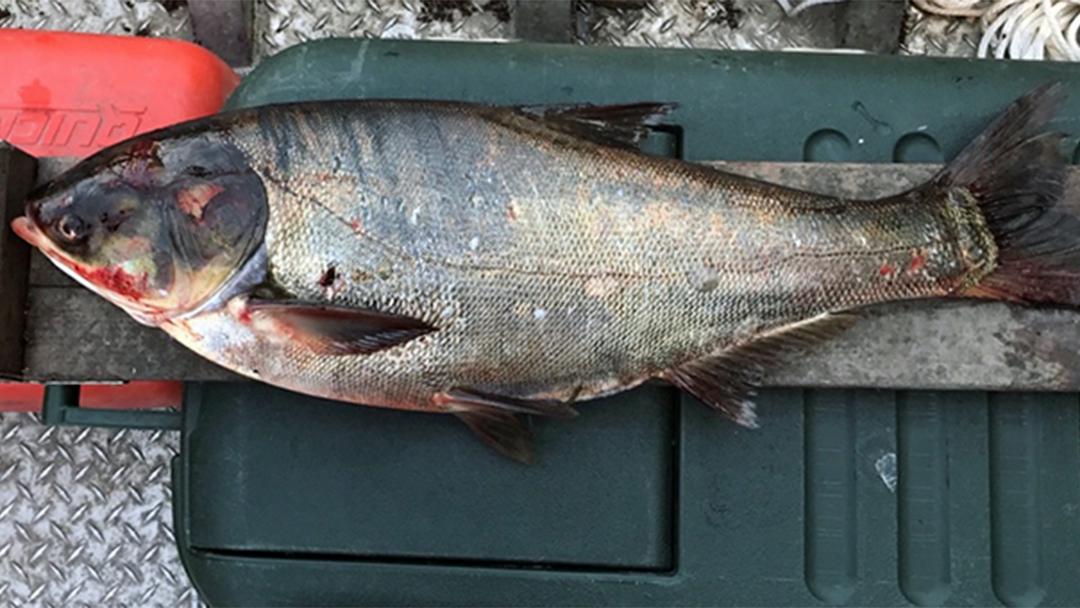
<point>155,225</point>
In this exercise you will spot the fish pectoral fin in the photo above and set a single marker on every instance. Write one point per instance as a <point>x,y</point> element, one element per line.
<point>613,125</point>
<point>330,330</point>
<point>728,381</point>
<point>507,433</point>
<point>499,421</point>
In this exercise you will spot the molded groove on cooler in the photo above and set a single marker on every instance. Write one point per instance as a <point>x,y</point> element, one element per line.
<point>925,552</point>
<point>830,526</point>
<point>1015,535</point>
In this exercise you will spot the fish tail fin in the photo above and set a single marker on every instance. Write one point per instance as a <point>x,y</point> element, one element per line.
<point>1015,173</point>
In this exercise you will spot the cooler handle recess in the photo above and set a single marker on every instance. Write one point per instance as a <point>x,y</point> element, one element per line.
<point>60,407</point>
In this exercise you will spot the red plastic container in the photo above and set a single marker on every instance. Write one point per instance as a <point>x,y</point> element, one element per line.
<point>68,94</point>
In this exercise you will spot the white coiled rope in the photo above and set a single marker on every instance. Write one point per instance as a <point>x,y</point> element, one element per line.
<point>1019,29</point>
<point>1012,29</point>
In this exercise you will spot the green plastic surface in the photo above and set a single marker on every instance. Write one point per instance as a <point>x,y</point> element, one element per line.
<point>856,497</point>
<point>437,483</point>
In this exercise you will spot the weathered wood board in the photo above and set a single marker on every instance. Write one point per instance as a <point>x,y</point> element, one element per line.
<point>73,335</point>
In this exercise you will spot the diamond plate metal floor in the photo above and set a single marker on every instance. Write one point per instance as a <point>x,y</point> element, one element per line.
<point>939,36</point>
<point>86,517</point>
<point>167,18</point>
<point>283,23</point>
<point>754,25</point>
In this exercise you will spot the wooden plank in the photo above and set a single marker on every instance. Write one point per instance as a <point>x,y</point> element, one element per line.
<point>224,27</point>
<point>876,27</point>
<point>17,171</point>
<point>74,335</point>
<point>548,21</point>
<point>42,272</point>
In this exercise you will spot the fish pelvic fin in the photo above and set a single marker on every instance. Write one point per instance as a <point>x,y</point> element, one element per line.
<point>728,381</point>
<point>1014,176</point>
<point>506,433</point>
<point>499,421</point>
<point>457,399</point>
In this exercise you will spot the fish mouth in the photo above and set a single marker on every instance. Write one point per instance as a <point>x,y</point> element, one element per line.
<point>26,229</point>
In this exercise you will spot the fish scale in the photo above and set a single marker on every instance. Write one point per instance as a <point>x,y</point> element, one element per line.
<point>588,288</point>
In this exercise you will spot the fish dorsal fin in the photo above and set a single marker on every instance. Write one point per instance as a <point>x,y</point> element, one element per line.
<point>614,125</point>
<point>499,420</point>
<point>728,381</point>
<point>327,329</point>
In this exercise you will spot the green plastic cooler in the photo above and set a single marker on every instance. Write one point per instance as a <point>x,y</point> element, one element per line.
<point>843,497</point>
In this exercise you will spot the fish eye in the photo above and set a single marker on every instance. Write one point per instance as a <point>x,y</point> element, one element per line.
<point>72,228</point>
<point>197,171</point>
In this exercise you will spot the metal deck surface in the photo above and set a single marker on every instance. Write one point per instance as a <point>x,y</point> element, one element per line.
<point>85,515</point>
<point>167,18</point>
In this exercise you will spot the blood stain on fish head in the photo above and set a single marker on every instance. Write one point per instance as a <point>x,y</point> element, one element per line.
<point>154,225</point>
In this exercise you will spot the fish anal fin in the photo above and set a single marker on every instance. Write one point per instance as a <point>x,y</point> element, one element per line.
<point>328,329</point>
<point>615,125</point>
<point>728,381</point>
